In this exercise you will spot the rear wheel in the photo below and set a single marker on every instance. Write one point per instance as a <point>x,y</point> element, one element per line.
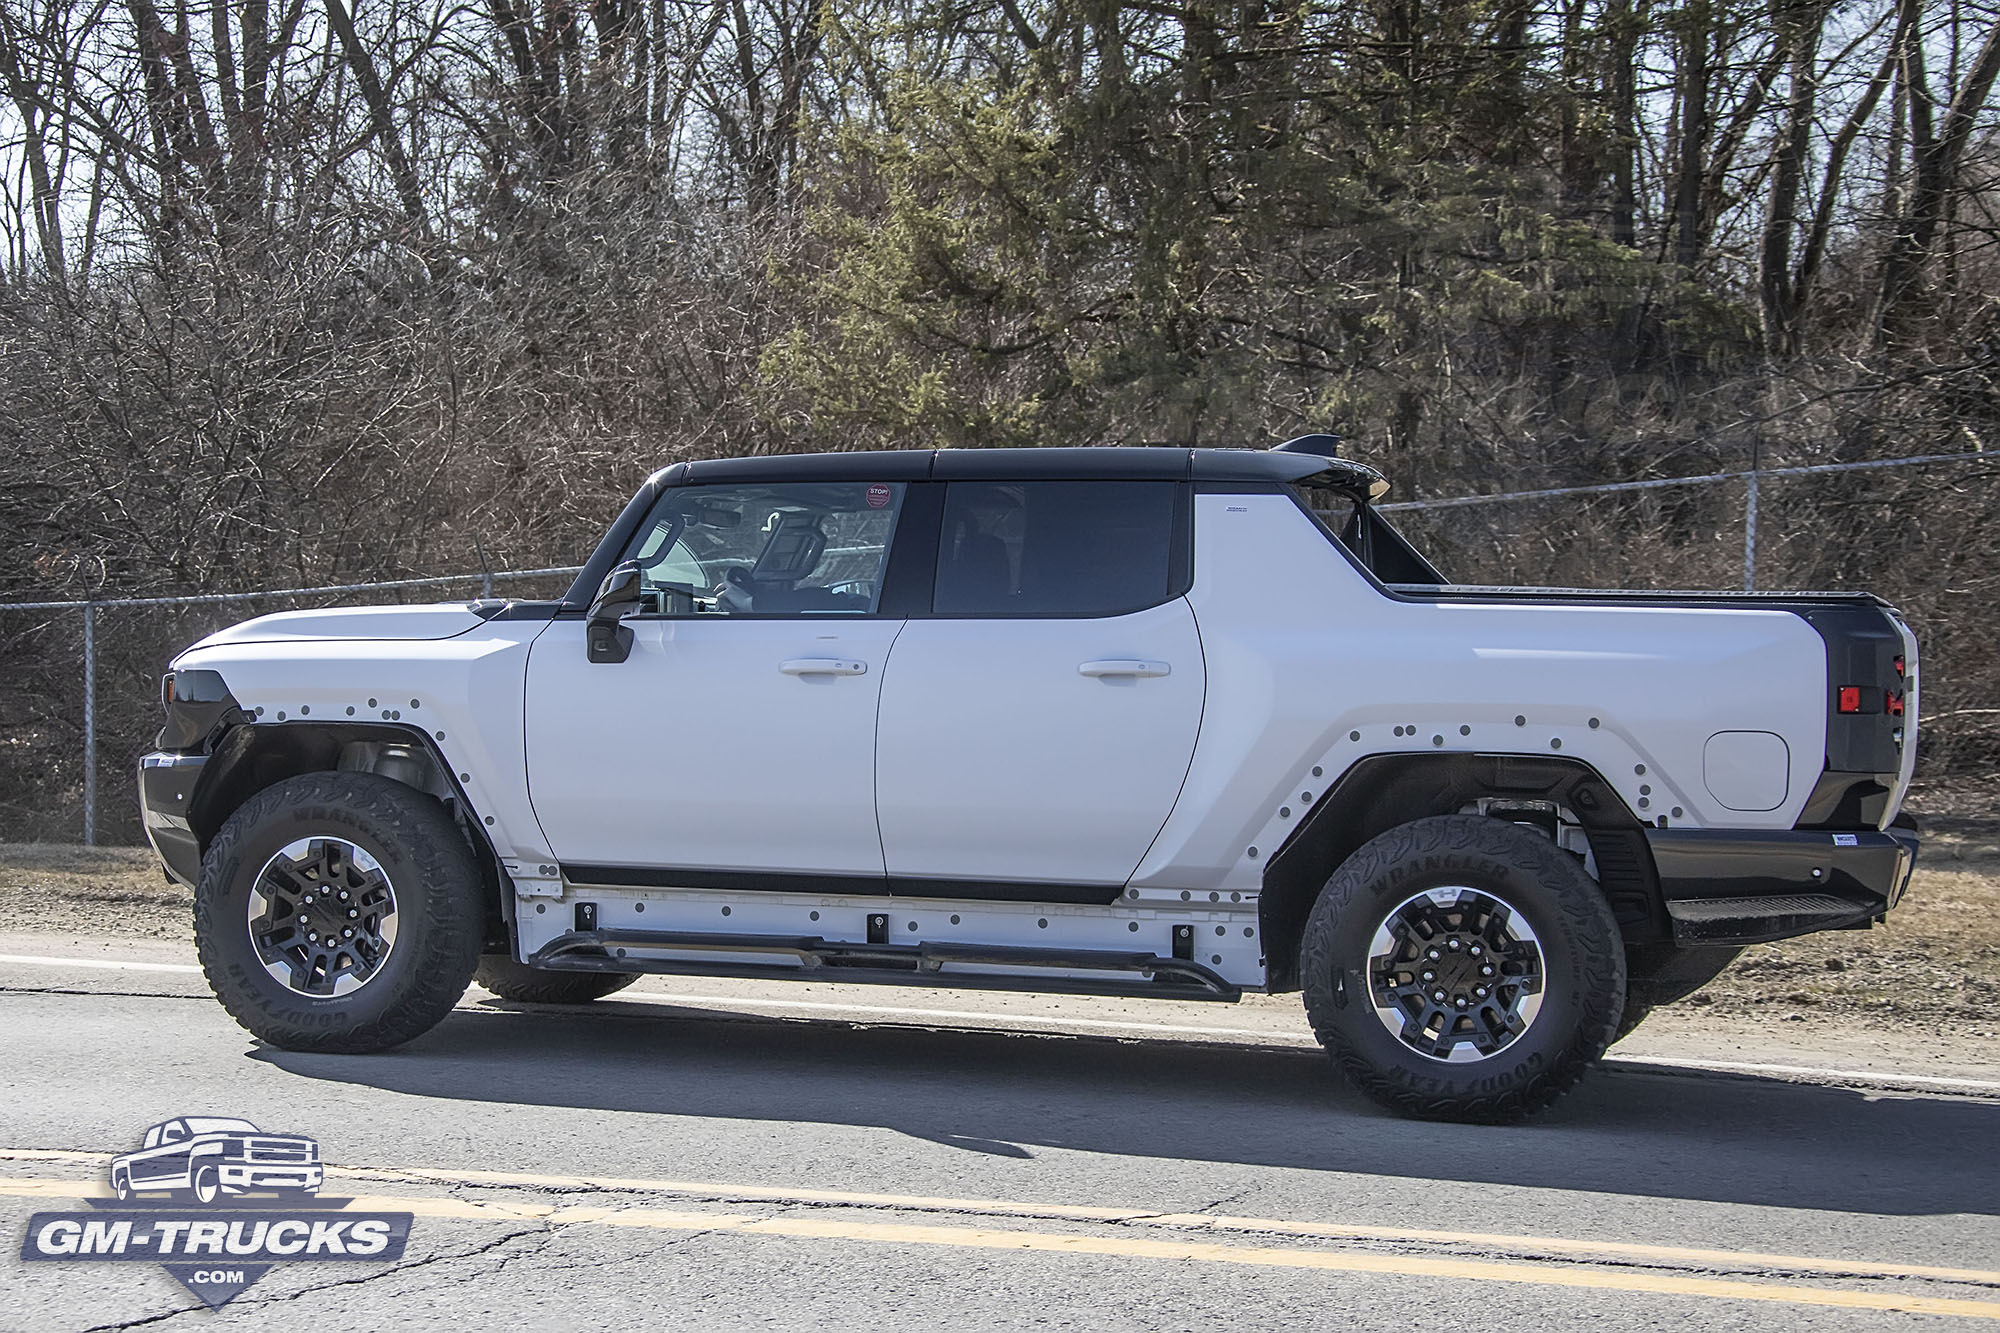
<point>511,979</point>
<point>339,912</point>
<point>1462,968</point>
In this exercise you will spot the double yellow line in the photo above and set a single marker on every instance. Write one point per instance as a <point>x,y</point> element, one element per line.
<point>1566,1263</point>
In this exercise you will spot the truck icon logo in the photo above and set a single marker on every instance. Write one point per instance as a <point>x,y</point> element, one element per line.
<point>216,1201</point>
<point>205,1158</point>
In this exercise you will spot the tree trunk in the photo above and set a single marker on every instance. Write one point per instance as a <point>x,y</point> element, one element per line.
<point>383,126</point>
<point>1692,84</point>
<point>1799,27</point>
<point>1935,159</point>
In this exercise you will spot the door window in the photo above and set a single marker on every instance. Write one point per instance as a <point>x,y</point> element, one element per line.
<point>1055,548</point>
<point>806,548</point>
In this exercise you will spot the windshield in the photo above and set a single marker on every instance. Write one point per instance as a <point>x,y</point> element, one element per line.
<point>209,1124</point>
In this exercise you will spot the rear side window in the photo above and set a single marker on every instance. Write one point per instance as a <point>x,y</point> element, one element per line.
<point>1055,548</point>
<point>1368,537</point>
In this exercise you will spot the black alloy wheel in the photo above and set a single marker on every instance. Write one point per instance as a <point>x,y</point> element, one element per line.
<point>323,916</point>
<point>1455,974</point>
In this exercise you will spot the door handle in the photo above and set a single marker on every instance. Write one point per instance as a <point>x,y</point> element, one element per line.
<point>1123,666</point>
<point>823,666</point>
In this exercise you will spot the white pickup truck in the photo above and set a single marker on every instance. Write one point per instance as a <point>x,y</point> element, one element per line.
<point>1179,723</point>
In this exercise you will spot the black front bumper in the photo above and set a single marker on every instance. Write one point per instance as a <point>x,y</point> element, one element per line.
<point>1737,886</point>
<point>166,793</point>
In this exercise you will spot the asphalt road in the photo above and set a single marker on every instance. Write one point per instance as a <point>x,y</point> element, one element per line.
<point>722,1161</point>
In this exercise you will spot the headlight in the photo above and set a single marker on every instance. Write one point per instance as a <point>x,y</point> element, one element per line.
<point>197,702</point>
<point>193,687</point>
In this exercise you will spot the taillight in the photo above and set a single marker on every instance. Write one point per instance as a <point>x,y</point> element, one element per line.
<point>1850,698</point>
<point>1893,703</point>
<point>1899,666</point>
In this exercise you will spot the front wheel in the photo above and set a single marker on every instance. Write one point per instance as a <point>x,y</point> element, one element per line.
<point>1462,968</point>
<point>207,1186</point>
<point>339,912</point>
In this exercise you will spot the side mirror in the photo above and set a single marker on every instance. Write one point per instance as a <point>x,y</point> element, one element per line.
<point>618,596</point>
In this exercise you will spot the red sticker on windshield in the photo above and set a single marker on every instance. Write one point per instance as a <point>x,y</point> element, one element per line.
<point>879,496</point>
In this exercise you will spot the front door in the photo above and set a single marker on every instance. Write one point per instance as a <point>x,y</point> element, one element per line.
<point>739,735</point>
<point>1037,727</point>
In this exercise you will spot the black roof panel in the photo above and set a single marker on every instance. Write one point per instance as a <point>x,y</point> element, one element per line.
<point>1100,464</point>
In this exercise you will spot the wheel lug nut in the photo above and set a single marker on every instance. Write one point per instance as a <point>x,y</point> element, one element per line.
<point>1487,970</point>
<point>1430,976</point>
<point>352,912</point>
<point>1480,991</point>
<point>1475,948</point>
<point>309,897</point>
<point>343,895</point>
<point>1461,1002</point>
<point>302,918</point>
<point>1435,954</point>
<point>1438,996</point>
<point>1453,946</point>
<point>347,934</point>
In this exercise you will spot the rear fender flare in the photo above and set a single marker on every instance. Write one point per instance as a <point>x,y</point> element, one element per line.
<point>1380,792</point>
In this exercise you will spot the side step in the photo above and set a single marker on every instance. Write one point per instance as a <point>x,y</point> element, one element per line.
<point>599,951</point>
<point>1766,917</point>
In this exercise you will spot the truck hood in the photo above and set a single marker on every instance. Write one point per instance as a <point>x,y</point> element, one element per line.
<point>442,620</point>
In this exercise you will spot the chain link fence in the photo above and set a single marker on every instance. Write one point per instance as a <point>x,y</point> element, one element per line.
<point>89,617</point>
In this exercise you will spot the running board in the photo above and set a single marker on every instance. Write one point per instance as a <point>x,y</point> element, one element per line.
<point>599,951</point>
<point>1766,917</point>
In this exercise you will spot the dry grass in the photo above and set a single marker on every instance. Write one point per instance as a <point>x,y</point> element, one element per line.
<point>54,888</point>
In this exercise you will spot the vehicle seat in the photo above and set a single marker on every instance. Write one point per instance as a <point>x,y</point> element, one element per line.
<point>793,552</point>
<point>982,573</point>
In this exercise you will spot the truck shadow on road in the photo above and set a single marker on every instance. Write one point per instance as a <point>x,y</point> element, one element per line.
<point>1742,1140</point>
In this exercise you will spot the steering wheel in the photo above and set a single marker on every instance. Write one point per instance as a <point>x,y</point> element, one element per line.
<point>736,592</point>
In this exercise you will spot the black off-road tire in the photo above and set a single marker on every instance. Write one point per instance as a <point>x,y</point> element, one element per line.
<point>1583,968</point>
<point>1657,974</point>
<point>1635,1012</point>
<point>511,979</point>
<point>439,902</point>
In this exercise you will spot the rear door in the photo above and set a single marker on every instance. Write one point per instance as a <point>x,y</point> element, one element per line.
<point>1037,726</point>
